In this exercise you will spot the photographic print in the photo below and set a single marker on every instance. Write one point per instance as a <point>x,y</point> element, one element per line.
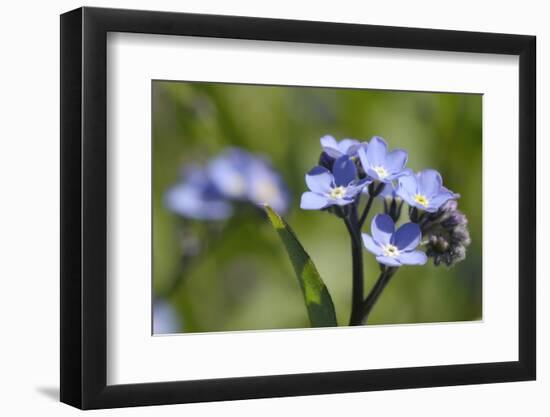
<point>290,207</point>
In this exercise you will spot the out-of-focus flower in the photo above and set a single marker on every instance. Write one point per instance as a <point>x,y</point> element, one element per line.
<point>196,197</point>
<point>240,175</point>
<point>265,186</point>
<point>379,164</point>
<point>447,233</point>
<point>424,190</point>
<point>234,175</point>
<point>229,173</point>
<point>339,187</point>
<point>165,319</point>
<point>391,247</point>
<point>336,149</point>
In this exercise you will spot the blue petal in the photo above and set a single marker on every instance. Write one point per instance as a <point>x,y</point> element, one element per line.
<point>328,140</point>
<point>437,201</point>
<point>388,191</point>
<point>403,173</point>
<point>312,201</point>
<point>348,146</point>
<point>227,172</point>
<point>388,260</point>
<point>407,188</point>
<point>319,180</point>
<point>344,170</point>
<point>357,187</point>
<point>382,228</point>
<point>267,187</point>
<point>165,319</point>
<point>189,201</point>
<point>412,258</point>
<point>407,237</point>
<point>362,153</point>
<point>374,175</point>
<point>330,146</point>
<point>396,160</point>
<point>376,151</point>
<point>342,201</point>
<point>371,245</point>
<point>429,182</point>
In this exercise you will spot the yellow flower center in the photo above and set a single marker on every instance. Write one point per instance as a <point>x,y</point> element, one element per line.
<point>381,171</point>
<point>338,192</point>
<point>421,199</point>
<point>390,250</point>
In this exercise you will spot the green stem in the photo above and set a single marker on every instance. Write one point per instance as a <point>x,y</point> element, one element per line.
<point>352,224</point>
<point>366,211</point>
<point>368,206</point>
<point>375,293</point>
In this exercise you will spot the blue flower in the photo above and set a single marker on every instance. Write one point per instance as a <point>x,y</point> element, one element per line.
<point>337,188</point>
<point>265,186</point>
<point>228,172</point>
<point>196,197</point>
<point>336,149</point>
<point>424,190</point>
<point>394,248</point>
<point>234,175</point>
<point>379,164</point>
<point>165,319</point>
<point>239,175</point>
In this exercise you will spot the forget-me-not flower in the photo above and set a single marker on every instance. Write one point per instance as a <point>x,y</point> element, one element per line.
<point>196,197</point>
<point>228,172</point>
<point>339,187</point>
<point>391,247</point>
<point>235,175</point>
<point>379,164</point>
<point>265,185</point>
<point>424,190</point>
<point>239,175</point>
<point>165,319</point>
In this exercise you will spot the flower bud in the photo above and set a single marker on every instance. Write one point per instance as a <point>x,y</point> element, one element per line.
<point>447,234</point>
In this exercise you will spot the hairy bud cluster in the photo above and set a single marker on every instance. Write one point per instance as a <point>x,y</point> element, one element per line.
<point>447,234</point>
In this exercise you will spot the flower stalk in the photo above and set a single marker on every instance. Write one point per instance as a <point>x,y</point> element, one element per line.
<point>352,224</point>
<point>375,293</point>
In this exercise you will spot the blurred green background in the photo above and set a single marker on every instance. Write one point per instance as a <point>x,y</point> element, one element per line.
<point>242,279</point>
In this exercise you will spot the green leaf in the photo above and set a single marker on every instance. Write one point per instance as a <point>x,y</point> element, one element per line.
<point>320,307</point>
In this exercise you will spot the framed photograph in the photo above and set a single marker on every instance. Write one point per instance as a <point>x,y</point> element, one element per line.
<point>258,208</point>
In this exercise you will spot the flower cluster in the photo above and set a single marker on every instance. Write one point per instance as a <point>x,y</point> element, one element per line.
<point>350,169</point>
<point>209,192</point>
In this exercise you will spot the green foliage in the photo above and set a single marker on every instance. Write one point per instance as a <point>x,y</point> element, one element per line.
<point>316,296</point>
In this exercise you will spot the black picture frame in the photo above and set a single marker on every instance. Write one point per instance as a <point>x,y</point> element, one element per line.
<point>84,207</point>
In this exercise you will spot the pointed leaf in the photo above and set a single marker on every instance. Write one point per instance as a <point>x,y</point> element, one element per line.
<point>318,301</point>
